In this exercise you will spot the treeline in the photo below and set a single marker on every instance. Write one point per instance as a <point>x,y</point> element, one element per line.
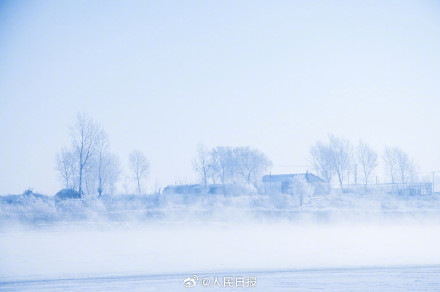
<point>88,166</point>
<point>230,165</point>
<point>338,158</point>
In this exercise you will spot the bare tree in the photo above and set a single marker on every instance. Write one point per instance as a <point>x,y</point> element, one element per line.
<point>405,165</point>
<point>251,164</point>
<point>340,152</point>
<point>109,173</point>
<point>107,165</point>
<point>84,134</point>
<point>390,162</point>
<point>221,165</point>
<point>65,166</point>
<point>212,171</point>
<point>322,161</point>
<point>231,165</point>
<point>413,171</point>
<point>102,148</point>
<point>139,166</point>
<point>88,166</point>
<point>367,159</point>
<point>201,164</point>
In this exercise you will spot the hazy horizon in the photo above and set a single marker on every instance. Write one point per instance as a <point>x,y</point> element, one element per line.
<point>163,77</point>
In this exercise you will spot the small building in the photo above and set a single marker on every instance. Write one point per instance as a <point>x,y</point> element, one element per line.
<point>283,182</point>
<point>184,189</point>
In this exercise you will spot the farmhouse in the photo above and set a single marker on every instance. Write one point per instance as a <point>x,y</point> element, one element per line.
<point>283,182</point>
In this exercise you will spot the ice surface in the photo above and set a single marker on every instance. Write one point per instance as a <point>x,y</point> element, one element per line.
<point>407,278</point>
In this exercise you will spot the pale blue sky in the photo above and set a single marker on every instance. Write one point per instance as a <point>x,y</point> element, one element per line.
<point>163,76</point>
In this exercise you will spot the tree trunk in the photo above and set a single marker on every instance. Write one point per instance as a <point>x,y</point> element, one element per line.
<point>340,180</point>
<point>80,183</point>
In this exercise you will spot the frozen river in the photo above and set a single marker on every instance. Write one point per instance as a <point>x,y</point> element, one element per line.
<point>410,278</point>
<point>278,256</point>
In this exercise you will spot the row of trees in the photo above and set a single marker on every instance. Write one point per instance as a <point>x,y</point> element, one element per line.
<point>337,157</point>
<point>237,165</point>
<point>88,166</point>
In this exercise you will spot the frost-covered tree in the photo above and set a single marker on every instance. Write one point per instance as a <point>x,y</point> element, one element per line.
<point>390,162</point>
<point>139,166</point>
<point>222,166</point>
<point>332,158</point>
<point>322,161</point>
<point>110,172</point>
<point>301,188</point>
<point>251,164</point>
<point>398,165</point>
<point>367,159</point>
<point>340,153</point>
<point>85,137</point>
<point>87,166</point>
<point>236,165</point>
<point>405,165</point>
<point>201,164</point>
<point>107,166</point>
<point>65,167</point>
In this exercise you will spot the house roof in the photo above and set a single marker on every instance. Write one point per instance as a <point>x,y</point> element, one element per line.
<point>310,177</point>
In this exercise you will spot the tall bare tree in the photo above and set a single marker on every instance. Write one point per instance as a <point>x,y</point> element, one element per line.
<point>221,163</point>
<point>340,152</point>
<point>107,165</point>
<point>390,162</point>
<point>201,164</point>
<point>322,161</point>
<point>251,164</point>
<point>85,136</point>
<point>65,166</point>
<point>367,159</point>
<point>398,165</point>
<point>109,173</point>
<point>102,149</point>
<point>405,165</point>
<point>139,166</point>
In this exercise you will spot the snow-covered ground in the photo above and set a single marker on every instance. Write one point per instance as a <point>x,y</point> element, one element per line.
<point>283,255</point>
<point>36,209</point>
<point>345,241</point>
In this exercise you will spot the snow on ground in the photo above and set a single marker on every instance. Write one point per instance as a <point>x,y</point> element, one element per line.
<point>34,208</point>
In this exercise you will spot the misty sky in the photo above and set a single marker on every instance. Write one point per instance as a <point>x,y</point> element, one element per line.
<point>164,76</point>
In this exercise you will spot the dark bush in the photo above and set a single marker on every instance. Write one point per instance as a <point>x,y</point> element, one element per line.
<point>67,194</point>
